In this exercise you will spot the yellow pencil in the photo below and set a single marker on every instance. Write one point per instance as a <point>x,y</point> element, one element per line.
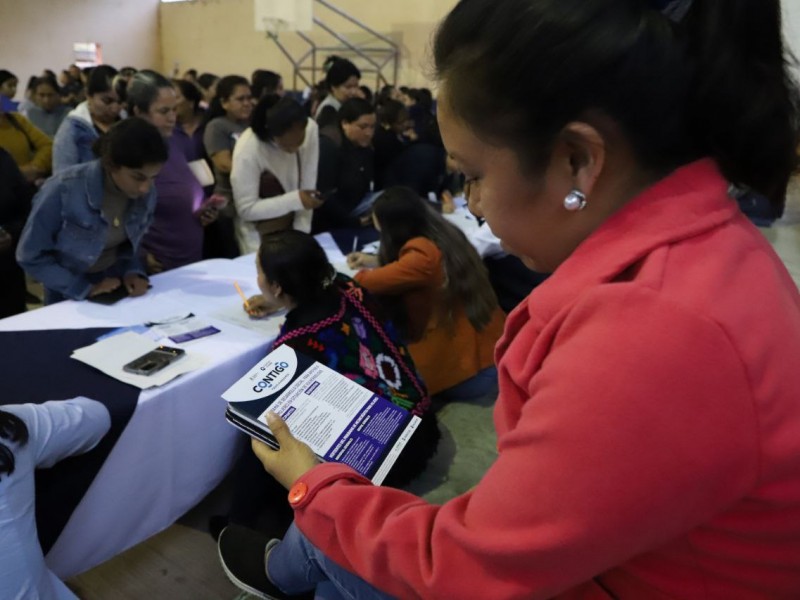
<point>241,293</point>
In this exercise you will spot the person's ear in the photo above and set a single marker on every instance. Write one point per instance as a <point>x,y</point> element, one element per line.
<point>137,112</point>
<point>276,290</point>
<point>583,155</point>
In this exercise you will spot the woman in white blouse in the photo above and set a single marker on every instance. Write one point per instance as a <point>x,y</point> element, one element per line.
<point>274,172</point>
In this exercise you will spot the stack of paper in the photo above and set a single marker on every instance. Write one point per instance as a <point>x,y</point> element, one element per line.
<point>110,354</point>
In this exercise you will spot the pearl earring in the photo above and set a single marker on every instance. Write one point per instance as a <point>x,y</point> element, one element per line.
<point>575,200</point>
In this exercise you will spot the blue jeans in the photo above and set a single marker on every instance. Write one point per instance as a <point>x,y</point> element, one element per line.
<point>296,566</point>
<point>480,384</point>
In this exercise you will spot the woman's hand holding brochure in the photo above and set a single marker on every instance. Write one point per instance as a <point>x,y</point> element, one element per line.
<point>291,461</point>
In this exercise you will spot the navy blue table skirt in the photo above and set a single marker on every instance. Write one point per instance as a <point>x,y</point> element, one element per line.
<point>37,367</point>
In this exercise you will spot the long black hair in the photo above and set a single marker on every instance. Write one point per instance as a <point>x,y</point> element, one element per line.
<point>13,429</point>
<point>295,261</point>
<point>403,215</point>
<point>713,83</point>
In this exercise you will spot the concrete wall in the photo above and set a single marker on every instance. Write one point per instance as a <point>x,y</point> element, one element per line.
<point>38,34</point>
<point>219,35</point>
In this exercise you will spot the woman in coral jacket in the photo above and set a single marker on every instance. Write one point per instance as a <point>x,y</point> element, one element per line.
<point>443,300</point>
<point>648,419</point>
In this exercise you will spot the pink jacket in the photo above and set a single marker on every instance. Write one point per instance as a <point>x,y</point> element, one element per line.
<point>648,427</point>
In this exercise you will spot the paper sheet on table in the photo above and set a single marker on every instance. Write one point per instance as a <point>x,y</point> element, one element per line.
<point>110,354</point>
<point>334,254</point>
<point>180,329</point>
<point>235,315</point>
<point>372,247</point>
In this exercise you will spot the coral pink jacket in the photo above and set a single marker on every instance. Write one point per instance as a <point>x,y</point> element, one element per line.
<point>648,429</point>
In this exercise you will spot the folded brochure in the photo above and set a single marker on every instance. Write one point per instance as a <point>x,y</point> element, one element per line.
<point>339,419</point>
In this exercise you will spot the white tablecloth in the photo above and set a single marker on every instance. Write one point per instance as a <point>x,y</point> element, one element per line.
<point>177,446</point>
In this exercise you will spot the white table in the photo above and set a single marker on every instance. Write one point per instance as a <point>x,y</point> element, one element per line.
<point>177,446</point>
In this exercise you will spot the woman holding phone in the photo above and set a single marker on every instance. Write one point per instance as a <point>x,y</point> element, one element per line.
<point>274,172</point>
<point>175,238</point>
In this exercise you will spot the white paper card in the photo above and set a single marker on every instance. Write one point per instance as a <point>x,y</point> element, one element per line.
<point>110,354</point>
<point>202,172</point>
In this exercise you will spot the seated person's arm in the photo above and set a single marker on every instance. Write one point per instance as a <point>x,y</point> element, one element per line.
<point>223,161</point>
<point>62,428</point>
<point>413,269</point>
<point>219,146</point>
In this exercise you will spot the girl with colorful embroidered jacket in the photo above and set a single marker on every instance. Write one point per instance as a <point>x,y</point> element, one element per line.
<point>334,321</point>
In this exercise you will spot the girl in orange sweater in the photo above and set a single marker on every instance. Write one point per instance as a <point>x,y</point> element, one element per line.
<point>440,291</point>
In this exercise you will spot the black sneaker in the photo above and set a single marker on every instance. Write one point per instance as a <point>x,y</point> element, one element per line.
<point>242,552</point>
<point>216,523</point>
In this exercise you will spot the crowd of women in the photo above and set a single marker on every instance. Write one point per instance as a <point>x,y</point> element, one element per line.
<point>144,175</point>
<point>286,171</point>
<point>647,421</point>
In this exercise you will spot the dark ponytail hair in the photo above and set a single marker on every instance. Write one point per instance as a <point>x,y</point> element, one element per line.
<point>713,84</point>
<point>274,115</point>
<point>264,83</point>
<point>744,105</point>
<point>295,261</point>
<point>225,88</point>
<point>189,91</point>
<point>403,215</point>
<point>338,70</point>
<point>13,429</point>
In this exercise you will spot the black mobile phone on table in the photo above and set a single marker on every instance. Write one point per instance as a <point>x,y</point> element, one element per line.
<point>154,361</point>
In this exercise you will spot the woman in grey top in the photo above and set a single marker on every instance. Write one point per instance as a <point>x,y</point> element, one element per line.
<point>226,119</point>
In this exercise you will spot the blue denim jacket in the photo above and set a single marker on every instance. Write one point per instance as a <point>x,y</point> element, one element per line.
<point>74,140</point>
<point>66,231</point>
